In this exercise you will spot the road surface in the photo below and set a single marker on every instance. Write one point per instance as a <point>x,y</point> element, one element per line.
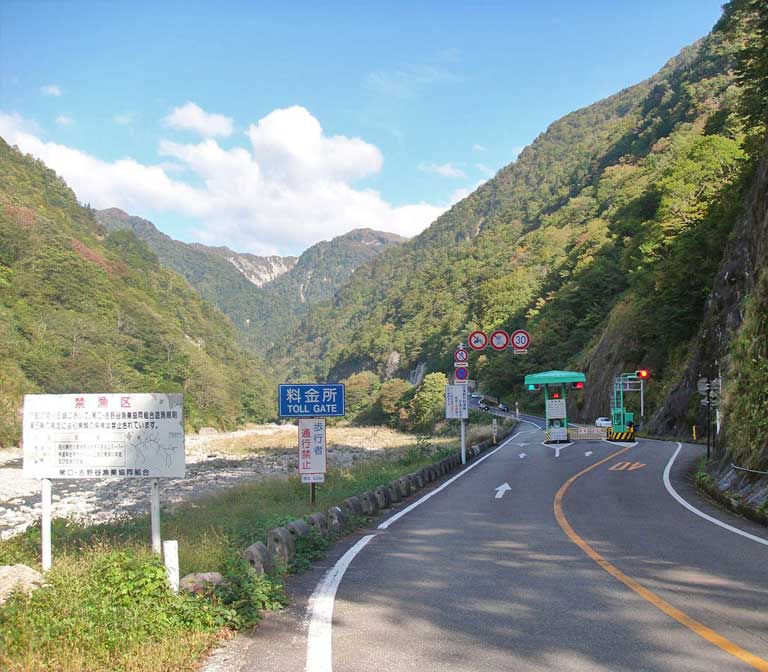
<point>585,562</point>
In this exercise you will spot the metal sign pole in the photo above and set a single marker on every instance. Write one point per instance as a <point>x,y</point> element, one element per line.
<point>46,523</point>
<point>463,442</point>
<point>709,416</point>
<point>312,493</point>
<point>155,516</point>
<point>642,395</point>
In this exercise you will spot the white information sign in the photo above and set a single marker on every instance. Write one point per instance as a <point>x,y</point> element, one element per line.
<point>456,402</point>
<point>312,448</point>
<point>558,434</point>
<point>495,429</point>
<point>103,435</point>
<point>556,408</point>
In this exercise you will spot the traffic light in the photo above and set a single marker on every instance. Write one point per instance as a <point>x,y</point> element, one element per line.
<point>577,386</point>
<point>534,388</point>
<point>642,374</point>
<point>555,394</point>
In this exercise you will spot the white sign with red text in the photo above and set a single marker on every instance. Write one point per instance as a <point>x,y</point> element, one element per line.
<point>103,436</point>
<point>312,450</point>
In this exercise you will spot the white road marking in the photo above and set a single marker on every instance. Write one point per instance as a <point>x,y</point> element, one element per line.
<point>522,455</point>
<point>588,453</point>
<point>320,607</point>
<point>557,447</point>
<point>504,487</point>
<point>693,509</point>
<point>320,612</point>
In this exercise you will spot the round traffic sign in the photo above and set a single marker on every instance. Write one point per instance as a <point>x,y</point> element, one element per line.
<point>478,340</point>
<point>461,355</point>
<point>499,339</point>
<point>520,339</point>
<point>461,373</point>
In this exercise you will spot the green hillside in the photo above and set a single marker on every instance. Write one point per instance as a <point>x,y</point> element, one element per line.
<point>267,307</point>
<point>208,269</point>
<point>602,239</point>
<point>86,310</point>
<point>319,273</point>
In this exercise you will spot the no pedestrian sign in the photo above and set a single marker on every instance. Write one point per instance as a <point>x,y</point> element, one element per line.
<point>311,401</point>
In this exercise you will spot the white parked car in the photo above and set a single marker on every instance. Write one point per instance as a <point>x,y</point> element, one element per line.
<point>603,422</point>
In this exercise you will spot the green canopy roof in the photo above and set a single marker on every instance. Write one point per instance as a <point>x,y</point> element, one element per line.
<point>554,377</point>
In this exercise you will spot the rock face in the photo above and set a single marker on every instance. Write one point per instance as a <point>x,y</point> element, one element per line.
<point>200,582</point>
<point>18,577</point>
<point>745,257</point>
<point>261,270</point>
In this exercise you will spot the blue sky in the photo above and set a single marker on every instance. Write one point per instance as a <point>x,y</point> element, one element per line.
<point>270,126</point>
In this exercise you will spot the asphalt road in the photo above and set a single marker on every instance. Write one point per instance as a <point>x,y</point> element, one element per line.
<point>471,581</point>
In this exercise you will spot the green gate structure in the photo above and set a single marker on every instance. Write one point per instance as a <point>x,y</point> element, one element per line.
<point>622,420</point>
<point>555,384</point>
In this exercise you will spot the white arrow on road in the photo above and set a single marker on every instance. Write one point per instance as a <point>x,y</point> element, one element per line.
<point>502,489</point>
<point>588,453</point>
<point>522,455</point>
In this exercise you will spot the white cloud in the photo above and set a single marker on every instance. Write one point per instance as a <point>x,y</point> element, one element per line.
<point>486,170</point>
<point>50,90</point>
<point>406,82</point>
<point>125,119</point>
<point>462,192</point>
<point>479,148</point>
<point>191,117</point>
<point>442,169</point>
<point>64,120</point>
<point>291,187</point>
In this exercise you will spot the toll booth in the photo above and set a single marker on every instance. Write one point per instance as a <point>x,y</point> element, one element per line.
<point>555,385</point>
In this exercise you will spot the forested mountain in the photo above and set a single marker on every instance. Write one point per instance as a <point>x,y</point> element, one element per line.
<point>196,261</point>
<point>316,277</point>
<point>602,239</point>
<point>83,309</point>
<point>225,278</point>
<point>265,297</point>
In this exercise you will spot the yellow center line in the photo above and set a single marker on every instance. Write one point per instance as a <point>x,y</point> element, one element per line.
<point>699,628</point>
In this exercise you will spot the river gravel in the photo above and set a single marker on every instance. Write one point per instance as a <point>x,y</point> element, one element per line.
<point>99,500</point>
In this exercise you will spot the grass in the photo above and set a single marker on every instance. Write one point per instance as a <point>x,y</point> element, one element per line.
<point>106,605</point>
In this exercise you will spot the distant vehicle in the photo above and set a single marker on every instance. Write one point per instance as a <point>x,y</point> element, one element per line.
<point>483,406</point>
<point>476,395</point>
<point>603,422</point>
<point>504,407</point>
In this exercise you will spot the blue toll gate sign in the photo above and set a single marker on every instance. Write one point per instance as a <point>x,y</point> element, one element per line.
<point>311,401</point>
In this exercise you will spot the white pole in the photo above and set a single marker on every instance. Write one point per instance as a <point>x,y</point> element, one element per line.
<point>463,442</point>
<point>171,558</point>
<point>46,523</point>
<point>642,398</point>
<point>717,419</point>
<point>155,515</point>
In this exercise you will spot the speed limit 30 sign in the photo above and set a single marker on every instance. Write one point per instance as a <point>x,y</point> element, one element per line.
<point>520,339</point>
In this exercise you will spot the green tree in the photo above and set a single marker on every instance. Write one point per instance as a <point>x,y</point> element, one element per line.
<point>428,403</point>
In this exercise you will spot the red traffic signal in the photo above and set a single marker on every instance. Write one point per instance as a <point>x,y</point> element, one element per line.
<point>555,395</point>
<point>642,374</point>
<point>578,386</point>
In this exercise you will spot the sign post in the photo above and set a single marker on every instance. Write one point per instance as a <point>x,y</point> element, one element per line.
<point>313,456</point>
<point>457,407</point>
<point>311,404</point>
<point>120,435</point>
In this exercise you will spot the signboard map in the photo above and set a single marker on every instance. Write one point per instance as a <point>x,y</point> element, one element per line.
<point>456,402</point>
<point>312,450</point>
<point>103,435</point>
<point>311,401</point>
